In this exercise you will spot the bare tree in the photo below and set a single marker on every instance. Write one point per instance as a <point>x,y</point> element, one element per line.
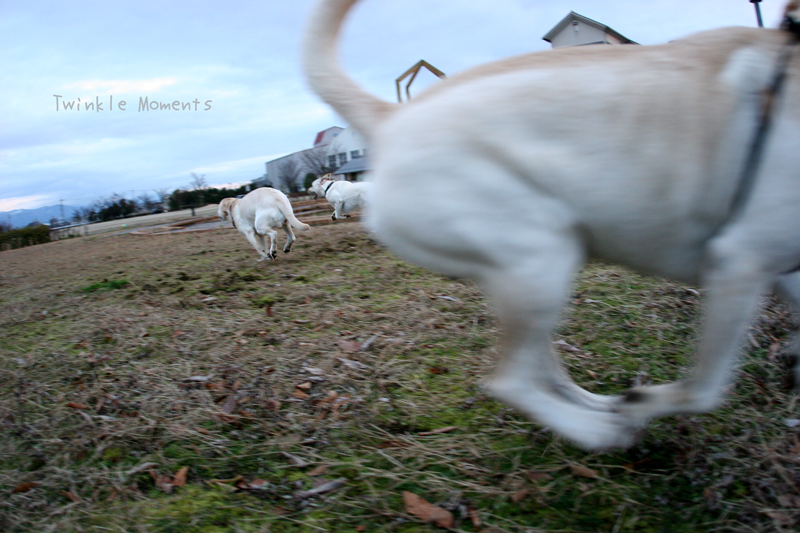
<point>315,161</point>
<point>146,202</point>
<point>199,182</point>
<point>286,178</point>
<point>162,194</point>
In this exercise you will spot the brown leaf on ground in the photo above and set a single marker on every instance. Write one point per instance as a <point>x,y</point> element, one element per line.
<point>256,484</point>
<point>539,476</point>
<point>304,386</point>
<point>71,495</point>
<point>426,511</point>
<point>583,471</point>
<point>350,346</point>
<point>300,395</point>
<point>474,517</point>
<point>318,471</point>
<point>520,495</point>
<point>76,405</point>
<point>180,477</point>
<point>230,405</point>
<point>25,487</point>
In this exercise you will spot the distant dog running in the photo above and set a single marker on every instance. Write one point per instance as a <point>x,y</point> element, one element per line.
<point>344,196</point>
<point>257,214</point>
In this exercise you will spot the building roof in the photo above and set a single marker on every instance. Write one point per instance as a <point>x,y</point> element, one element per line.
<point>558,28</point>
<point>359,164</point>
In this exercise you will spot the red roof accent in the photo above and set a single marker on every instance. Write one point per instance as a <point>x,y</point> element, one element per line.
<point>320,135</point>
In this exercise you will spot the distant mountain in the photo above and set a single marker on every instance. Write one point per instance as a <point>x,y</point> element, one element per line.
<point>19,218</point>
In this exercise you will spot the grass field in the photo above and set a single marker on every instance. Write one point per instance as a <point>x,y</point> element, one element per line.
<point>171,384</point>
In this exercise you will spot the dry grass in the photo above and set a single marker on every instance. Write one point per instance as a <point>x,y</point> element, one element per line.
<point>337,362</point>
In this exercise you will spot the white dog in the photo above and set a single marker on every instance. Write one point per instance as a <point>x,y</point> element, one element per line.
<point>344,196</point>
<point>514,173</point>
<point>257,214</point>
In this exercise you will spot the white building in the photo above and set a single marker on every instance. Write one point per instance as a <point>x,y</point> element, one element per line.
<point>334,147</point>
<point>577,30</point>
<point>345,151</point>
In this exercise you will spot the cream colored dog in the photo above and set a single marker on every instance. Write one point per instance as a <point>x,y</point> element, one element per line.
<point>514,173</point>
<point>344,196</point>
<point>257,214</point>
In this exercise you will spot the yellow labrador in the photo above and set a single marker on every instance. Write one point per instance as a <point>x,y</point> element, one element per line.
<point>344,196</point>
<point>257,214</point>
<point>515,172</point>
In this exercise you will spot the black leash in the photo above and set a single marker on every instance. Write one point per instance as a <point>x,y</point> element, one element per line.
<point>329,186</point>
<point>750,169</point>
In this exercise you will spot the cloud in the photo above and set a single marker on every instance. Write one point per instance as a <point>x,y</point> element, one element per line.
<point>25,202</point>
<point>123,86</point>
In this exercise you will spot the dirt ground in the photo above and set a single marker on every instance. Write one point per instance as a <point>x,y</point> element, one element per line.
<point>171,383</point>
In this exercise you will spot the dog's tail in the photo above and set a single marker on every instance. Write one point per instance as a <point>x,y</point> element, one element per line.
<point>321,64</point>
<point>286,208</point>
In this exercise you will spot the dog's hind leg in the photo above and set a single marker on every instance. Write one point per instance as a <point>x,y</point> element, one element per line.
<point>290,238</point>
<point>530,288</point>
<point>735,281</point>
<point>788,286</point>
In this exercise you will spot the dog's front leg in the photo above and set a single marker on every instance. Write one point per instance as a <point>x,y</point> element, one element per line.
<point>530,293</point>
<point>735,281</point>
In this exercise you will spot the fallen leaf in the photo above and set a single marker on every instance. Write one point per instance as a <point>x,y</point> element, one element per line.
<point>179,480</point>
<point>426,511</point>
<point>438,431</point>
<point>472,514</point>
<point>539,476</point>
<point>318,471</point>
<point>197,379</point>
<point>322,489</point>
<point>355,365</point>
<point>296,461</point>
<point>583,471</point>
<point>350,346</point>
<point>25,487</point>
<point>71,495</point>
<point>230,405</point>
<point>520,495</point>
<point>256,484</point>
<point>304,386</point>
<point>76,405</point>
<point>789,500</point>
<point>300,395</point>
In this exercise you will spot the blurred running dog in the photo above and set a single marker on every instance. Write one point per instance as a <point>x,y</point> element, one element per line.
<point>516,172</point>
<point>344,196</point>
<point>257,214</point>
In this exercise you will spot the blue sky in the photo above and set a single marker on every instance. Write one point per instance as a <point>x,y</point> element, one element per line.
<point>243,58</point>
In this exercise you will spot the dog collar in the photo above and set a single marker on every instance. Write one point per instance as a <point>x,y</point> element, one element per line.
<point>329,186</point>
<point>750,169</point>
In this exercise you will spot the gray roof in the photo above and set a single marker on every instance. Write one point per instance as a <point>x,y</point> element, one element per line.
<point>586,20</point>
<point>359,164</point>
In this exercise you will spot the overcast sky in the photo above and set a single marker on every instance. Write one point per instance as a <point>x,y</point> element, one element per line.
<point>239,61</point>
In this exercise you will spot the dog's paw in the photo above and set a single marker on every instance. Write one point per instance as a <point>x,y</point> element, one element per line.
<point>333,216</point>
<point>273,254</point>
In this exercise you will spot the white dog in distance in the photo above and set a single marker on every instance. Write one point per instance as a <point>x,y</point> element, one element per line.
<point>257,214</point>
<point>516,172</point>
<point>344,196</point>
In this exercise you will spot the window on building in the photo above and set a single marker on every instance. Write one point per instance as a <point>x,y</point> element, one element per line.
<point>342,158</point>
<point>332,161</point>
<point>355,154</point>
